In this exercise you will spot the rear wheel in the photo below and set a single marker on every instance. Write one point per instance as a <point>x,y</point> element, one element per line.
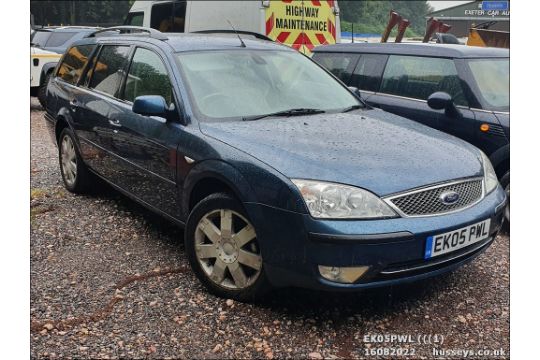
<point>505,182</point>
<point>76,177</point>
<point>223,250</point>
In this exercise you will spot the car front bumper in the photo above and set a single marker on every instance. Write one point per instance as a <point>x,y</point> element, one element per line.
<point>294,245</point>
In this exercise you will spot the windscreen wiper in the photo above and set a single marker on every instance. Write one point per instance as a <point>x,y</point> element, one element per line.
<point>290,112</point>
<point>351,108</point>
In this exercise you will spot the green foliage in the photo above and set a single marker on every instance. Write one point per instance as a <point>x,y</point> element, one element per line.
<point>73,12</point>
<point>371,16</point>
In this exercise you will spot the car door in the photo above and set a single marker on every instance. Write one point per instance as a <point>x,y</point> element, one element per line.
<point>97,99</point>
<point>147,145</point>
<point>408,81</point>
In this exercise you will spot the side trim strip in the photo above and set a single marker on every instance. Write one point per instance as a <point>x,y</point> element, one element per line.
<point>127,161</point>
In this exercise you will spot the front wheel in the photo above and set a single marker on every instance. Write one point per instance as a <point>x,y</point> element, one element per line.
<point>223,250</point>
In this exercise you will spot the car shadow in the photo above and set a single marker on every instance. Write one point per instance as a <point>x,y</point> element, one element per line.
<point>302,303</point>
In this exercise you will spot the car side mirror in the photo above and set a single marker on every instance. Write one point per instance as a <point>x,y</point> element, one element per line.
<point>150,105</point>
<point>355,91</point>
<point>442,101</point>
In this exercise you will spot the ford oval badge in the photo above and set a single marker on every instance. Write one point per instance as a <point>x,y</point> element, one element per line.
<point>449,197</point>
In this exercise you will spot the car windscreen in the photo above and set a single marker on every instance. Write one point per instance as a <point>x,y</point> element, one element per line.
<point>233,84</point>
<point>492,76</point>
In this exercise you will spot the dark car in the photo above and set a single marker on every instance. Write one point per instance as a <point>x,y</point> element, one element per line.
<point>58,40</point>
<point>461,90</point>
<point>280,175</point>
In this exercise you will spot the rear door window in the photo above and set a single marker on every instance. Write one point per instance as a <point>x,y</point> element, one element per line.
<point>339,64</point>
<point>419,77</point>
<point>72,66</point>
<point>147,76</point>
<point>59,38</point>
<point>169,17</point>
<point>109,69</point>
<point>368,72</point>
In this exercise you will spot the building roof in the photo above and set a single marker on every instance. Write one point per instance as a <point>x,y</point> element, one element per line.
<point>418,49</point>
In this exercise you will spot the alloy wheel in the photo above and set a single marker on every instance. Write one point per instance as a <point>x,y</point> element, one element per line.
<point>68,158</point>
<point>227,249</point>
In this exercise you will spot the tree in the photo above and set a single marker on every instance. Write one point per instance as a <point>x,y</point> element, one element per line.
<point>371,16</point>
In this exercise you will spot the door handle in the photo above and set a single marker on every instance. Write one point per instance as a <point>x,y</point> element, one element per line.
<point>74,102</point>
<point>115,122</point>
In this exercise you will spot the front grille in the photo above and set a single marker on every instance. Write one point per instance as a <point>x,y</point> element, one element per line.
<point>427,202</point>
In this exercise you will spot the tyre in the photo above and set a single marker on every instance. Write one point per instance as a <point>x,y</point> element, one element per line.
<point>505,183</point>
<point>223,251</point>
<point>42,91</point>
<point>76,177</point>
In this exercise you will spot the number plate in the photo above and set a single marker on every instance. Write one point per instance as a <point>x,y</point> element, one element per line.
<point>441,244</point>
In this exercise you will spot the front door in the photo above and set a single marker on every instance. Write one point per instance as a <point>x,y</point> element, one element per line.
<point>148,145</point>
<point>407,83</point>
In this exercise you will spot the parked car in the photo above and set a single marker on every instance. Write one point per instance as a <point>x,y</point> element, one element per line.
<point>48,44</point>
<point>280,175</point>
<point>42,62</point>
<point>461,90</point>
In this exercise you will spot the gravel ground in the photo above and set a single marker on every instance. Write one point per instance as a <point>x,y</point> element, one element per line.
<point>108,280</point>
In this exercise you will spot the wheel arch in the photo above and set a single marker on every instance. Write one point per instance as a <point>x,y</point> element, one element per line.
<point>213,176</point>
<point>500,159</point>
<point>45,70</point>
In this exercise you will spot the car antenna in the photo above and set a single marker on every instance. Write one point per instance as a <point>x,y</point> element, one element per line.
<point>237,34</point>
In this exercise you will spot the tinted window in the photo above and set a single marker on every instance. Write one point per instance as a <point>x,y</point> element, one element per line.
<point>368,72</point>
<point>340,65</point>
<point>168,17</point>
<point>135,19</point>
<point>147,76</point>
<point>419,77</point>
<point>493,79</point>
<point>59,38</point>
<point>109,69</point>
<point>71,68</point>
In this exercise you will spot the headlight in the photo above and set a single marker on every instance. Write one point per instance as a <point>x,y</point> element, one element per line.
<point>490,177</point>
<point>335,201</point>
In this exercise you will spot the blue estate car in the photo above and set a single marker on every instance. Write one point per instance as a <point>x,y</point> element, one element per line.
<point>280,175</point>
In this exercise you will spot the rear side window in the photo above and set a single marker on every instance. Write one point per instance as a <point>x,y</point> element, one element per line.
<point>135,19</point>
<point>368,72</point>
<point>169,17</point>
<point>147,76</point>
<point>109,69</point>
<point>71,68</point>
<point>341,65</point>
<point>419,77</point>
<point>59,38</point>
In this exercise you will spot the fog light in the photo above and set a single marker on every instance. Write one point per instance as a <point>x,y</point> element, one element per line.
<point>346,275</point>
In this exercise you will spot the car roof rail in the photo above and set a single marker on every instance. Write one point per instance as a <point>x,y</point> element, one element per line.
<point>153,33</point>
<point>241,32</point>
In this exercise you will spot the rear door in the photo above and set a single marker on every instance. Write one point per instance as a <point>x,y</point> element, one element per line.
<point>97,99</point>
<point>408,81</point>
